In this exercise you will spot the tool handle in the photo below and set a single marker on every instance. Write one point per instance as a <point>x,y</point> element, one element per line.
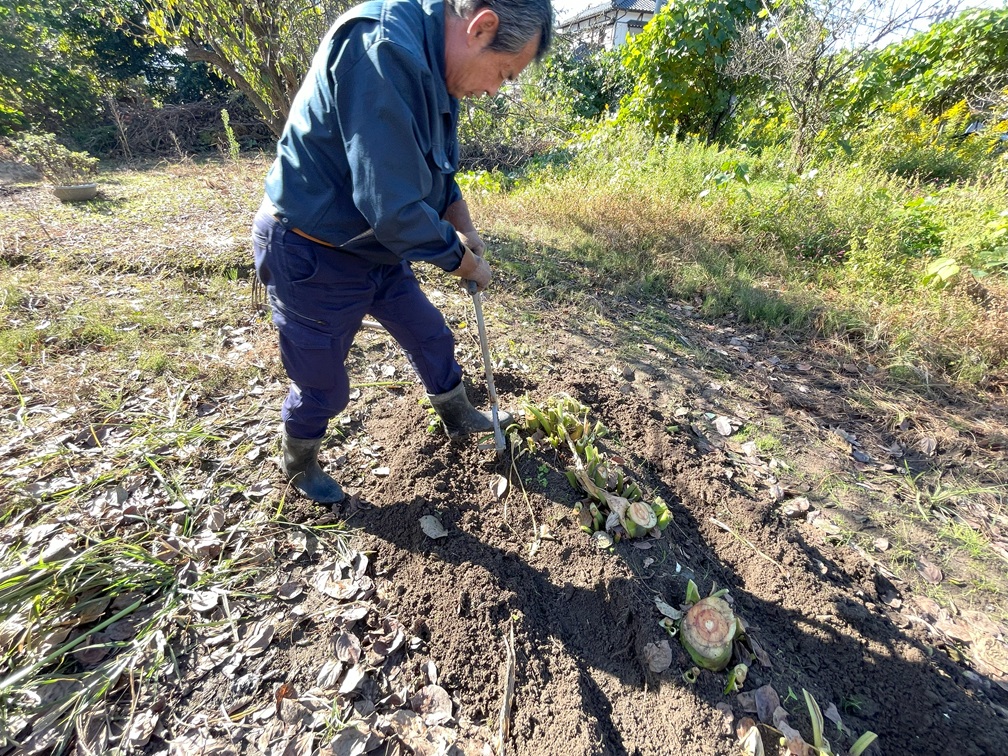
<point>472,287</point>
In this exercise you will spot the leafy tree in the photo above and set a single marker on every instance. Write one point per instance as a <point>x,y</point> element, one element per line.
<point>570,89</point>
<point>964,58</point>
<point>581,82</point>
<point>43,79</point>
<point>678,64</point>
<point>263,47</point>
<point>62,60</point>
<point>806,50</point>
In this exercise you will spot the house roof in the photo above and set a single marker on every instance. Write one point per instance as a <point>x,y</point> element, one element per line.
<point>643,6</point>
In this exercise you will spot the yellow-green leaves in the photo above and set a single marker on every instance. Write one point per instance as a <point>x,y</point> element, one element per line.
<point>616,503</point>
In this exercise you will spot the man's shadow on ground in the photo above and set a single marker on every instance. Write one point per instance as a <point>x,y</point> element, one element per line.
<point>913,707</point>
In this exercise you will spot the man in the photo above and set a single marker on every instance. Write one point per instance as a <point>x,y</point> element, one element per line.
<point>363,186</point>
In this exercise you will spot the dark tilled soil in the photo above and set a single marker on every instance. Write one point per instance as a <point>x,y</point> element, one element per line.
<point>581,616</point>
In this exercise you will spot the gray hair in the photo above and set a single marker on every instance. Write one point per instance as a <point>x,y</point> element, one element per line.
<point>520,22</point>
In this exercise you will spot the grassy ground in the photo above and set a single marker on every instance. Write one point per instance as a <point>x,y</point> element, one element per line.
<point>138,381</point>
<point>843,250</point>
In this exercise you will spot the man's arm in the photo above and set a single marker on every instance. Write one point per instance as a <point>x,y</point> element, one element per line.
<point>458,215</point>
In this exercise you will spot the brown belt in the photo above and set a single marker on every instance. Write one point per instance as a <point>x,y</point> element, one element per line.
<point>270,209</point>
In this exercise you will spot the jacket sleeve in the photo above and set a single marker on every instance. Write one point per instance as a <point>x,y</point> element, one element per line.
<point>385,124</point>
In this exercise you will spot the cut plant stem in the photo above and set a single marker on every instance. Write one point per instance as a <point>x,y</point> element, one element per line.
<point>707,632</point>
<point>504,720</point>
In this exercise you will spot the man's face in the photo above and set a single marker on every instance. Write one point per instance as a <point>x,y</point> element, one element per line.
<point>471,69</point>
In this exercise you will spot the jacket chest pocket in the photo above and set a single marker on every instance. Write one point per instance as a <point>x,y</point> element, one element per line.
<point>445,146</point>
<point>442,159</point>
<point>442,170</point>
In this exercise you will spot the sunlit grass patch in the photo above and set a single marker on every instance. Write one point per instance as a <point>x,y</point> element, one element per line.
<point>19,344</point>
<point>966,538</point>
<point>842,248</point>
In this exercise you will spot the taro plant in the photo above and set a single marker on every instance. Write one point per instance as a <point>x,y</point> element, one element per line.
<point>819,740</point>
<point>54,161</point>
<point>708,629</point>
<point>615,504</point>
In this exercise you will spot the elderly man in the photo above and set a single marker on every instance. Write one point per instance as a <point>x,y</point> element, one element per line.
<point>363,186</point>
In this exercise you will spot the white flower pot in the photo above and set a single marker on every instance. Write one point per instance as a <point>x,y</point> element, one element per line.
<point>76,192</point>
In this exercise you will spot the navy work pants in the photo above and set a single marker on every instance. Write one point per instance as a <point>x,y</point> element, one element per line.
<point>319,296</point>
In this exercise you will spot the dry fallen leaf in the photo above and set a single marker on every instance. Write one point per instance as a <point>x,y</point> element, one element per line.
<point>353,678</point>
<point>354,740</point>
<point>204,601</point>
<point>980,623</point>
<point>669,611</point>
<point>929,571</point>
<point>796,745</point>
<point>767,701</point>
<point>409,728</point>
<point>284,690</point>
<point>93,732</point>
<point>329,580</point>
<point>955,629</point>
<point>141,729</point>
<point>881,544</point>
<point>929,607</point>
<point>749,737</point>
<point>329,675</point>
<point>991,659</point>
<point>747,701</point>
<point>658,656</point>
<point>258,639</point>
<point>348,648</point>
<point>89,656</point>
<point>389,638</point>
<point>499,486</point>
<point>432,527</point>
<point>433,703</point>
<point>833,715</point>
<point>216,518</point>
<point>761,655</point>
<point>723,425</point>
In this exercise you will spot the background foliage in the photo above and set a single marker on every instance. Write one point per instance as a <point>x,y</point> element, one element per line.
<point>678,64</point>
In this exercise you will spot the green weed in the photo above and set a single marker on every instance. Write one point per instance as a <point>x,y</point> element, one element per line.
<point>971,541</point>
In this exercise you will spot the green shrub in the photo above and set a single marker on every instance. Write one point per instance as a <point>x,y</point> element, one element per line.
<point>53,160</point>
<point>905,140</point>
<point>678,63</point>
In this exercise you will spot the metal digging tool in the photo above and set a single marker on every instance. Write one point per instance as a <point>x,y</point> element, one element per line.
<point>487,365</point>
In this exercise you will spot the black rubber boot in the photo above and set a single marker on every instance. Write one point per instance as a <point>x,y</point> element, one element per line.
<point>299,460</point>
<point>460,418</point>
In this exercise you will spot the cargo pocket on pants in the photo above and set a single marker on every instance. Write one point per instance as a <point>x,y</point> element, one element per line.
<point>308,356</point>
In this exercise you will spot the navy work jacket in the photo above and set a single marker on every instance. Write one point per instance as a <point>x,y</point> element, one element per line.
<point>368,155</point>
